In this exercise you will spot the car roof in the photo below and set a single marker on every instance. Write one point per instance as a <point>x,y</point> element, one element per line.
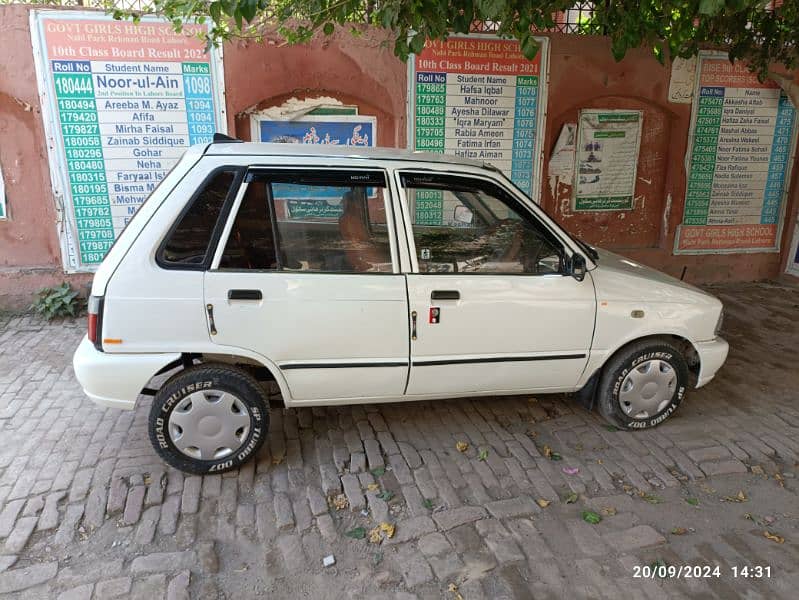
<point>335,151</point>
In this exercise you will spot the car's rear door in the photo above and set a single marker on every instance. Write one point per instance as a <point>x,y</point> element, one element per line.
<point>306,275</point>
<point>494,309</point>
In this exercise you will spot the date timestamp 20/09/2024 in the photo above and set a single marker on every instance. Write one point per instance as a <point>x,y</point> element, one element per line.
<point>661,571</point>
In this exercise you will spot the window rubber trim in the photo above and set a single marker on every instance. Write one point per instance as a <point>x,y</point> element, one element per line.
<point>320,176</point>
<point>216,232</point>
<point>377,177</point>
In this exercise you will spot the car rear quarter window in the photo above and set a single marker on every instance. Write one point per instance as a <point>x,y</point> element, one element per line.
<point>187,244</point>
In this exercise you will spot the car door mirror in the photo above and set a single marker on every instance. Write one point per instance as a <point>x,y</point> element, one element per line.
<point>578,267</point>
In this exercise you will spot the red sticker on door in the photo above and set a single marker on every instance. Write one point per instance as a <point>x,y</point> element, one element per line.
<point>435,314</point>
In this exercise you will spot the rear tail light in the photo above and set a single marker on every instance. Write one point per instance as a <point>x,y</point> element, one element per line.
<point>94,333</point>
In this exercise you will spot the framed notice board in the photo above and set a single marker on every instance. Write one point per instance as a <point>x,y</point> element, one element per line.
<point>741,147</point>
<point>478,97</point>
<point>121,102</point>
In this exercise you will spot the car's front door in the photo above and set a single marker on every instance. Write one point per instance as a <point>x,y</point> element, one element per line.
<point>493,307</point>
<point>305,275</point>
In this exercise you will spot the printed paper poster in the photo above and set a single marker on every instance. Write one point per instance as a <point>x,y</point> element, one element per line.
<point>607,159</point>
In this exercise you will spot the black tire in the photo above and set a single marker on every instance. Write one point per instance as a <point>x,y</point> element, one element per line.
<point>621,364</point>
<point>220,377</point>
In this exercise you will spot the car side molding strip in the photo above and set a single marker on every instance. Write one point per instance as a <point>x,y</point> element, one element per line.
<point>428,363</point>
<point>341,365</point>
<point>495,359</point>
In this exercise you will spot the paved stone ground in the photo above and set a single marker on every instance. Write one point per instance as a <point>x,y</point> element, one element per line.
<point>87,510</point>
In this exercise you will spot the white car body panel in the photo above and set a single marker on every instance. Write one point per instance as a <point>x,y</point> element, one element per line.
<point>513,330</point>
<point>116,380</point>
<point>309,319</point>
<point>308,324</point>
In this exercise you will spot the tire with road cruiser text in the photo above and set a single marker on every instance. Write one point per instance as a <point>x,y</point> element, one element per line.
<point>642,385</point>
<point>209,418</point>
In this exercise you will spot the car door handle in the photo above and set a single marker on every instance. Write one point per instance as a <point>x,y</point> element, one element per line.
<point>445,295</point>
<point>244,295</point>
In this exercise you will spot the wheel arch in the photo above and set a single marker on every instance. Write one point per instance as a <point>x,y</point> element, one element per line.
<point>258,366</point>
<point>588,393</point>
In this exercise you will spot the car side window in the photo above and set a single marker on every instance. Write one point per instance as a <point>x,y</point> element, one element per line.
<point>187,244</point>
<point>324,222</point>
<point>464,225</point>
<point>251,243</point>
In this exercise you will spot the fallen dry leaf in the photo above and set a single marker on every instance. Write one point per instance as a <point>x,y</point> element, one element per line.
<point>547,451</point>
<point>462,446</point>
<point>339,502</point>
<point>679,531</point>
<point>608,511</point>
<point>739,497</point>
<point>543,503</point>
<point>453,589</point>
<point>651,498</point>
<point>277,460</point>
<point>375,537</point>
<point>780,479</point>
<point>388,528</point>
<point>372,487</point>
<point>757,470</point>
<point>774,537</point>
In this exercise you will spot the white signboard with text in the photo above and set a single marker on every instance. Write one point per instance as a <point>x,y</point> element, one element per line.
<point>121,102</point>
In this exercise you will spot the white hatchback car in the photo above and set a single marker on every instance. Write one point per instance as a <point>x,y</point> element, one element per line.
<point>370,275</point>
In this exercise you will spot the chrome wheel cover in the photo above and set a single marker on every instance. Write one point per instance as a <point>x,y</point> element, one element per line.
<point>647,389</point>
<point>209,425</point>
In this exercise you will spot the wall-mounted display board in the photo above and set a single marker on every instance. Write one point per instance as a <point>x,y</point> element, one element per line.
<point>478,97</point>
<point>327,126</point>
<point>608,143</point>
<point>740,151</point>
<point>120,102</point>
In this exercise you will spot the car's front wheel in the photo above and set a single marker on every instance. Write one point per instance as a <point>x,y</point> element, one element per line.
<point>643,384</point>
<point>209,419</point>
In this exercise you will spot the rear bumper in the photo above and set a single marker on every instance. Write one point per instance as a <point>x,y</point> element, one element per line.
<point>115,380</point>
<point>712,355</point>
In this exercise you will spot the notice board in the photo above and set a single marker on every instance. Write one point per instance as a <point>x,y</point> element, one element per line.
<point>740,150</point>
<point>121,102</point>
<point>302,202</point>
<point>607,159</point>
<point>478,97</point>
<point>334,130</point>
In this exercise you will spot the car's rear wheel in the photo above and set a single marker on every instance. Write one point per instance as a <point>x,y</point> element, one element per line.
<point>643,384</point>
<point>209,419</point>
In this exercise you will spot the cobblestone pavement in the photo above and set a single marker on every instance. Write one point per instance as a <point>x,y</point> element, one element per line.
<point>87,510</point>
